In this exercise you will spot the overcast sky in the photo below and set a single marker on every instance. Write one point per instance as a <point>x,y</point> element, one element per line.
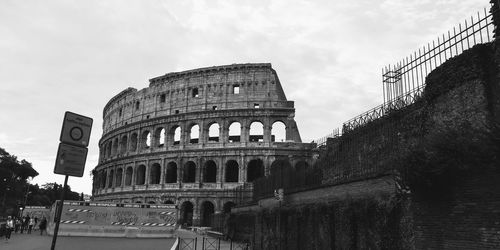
<point>58,56</point>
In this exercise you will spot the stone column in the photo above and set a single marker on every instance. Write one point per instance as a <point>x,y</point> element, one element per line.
<point>196,213</point>
<point>114,177</point>
<point>162,171</point>
<point>134,169</point>
<point>124,175</point>
<point>220,172</point>
<point>184,135</point>
<point>202,139</point>
<point>224,135</point>
<point>267,132</point>
<point>242,176</point>
<point>199,171</point>
<point>146,173</point>
<point>245,132</point>
<point>179,171</point>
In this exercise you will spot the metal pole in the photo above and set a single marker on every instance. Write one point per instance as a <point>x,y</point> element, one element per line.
<point>58,215</point>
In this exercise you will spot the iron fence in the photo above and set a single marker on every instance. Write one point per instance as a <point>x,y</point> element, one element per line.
<point>187,244</point>
<point>403,82</point>
<point>322,141</point>
<point>208,243</point>
<point>410,73</point>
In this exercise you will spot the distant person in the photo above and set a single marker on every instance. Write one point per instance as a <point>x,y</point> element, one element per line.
<point>36,224</point>
<point>9,228</point>
<point>43,226</point>
<point>17,224</point>
<point>31,223</point>
<point>25,223</point>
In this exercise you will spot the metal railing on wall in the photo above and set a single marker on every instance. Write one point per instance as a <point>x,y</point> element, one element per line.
<point>404,81</point>
<point>403,84</point>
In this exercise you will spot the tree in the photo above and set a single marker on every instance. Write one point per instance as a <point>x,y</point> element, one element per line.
<point>13,176</point>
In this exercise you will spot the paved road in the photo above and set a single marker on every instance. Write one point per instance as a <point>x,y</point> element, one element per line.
<point>37,242</point>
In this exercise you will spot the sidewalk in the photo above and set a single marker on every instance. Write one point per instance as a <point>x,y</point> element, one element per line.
<point>35,241</point>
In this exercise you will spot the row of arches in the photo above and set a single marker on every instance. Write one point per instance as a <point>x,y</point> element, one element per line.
<point>212,133</point>
<point>206,210</point>
<point>188,173</point>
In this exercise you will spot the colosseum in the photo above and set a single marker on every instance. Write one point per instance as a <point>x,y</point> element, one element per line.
<point>191,138</point>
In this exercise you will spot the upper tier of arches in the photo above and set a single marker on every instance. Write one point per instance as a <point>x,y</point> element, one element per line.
<point>198,134</point>
<point>240,86</point>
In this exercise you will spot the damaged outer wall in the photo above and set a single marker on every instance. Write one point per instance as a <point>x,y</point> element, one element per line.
<point>463,92</point>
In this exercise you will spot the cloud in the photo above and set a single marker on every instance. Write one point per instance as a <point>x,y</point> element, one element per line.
<point>75,55</point>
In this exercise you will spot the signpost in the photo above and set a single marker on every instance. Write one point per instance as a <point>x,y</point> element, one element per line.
<point>71,155</point>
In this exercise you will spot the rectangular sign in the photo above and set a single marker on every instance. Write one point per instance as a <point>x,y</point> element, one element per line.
<point>70,160</point>
<point>76,129</point>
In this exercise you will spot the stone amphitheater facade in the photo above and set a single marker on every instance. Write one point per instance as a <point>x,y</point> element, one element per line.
<point>191,138</point>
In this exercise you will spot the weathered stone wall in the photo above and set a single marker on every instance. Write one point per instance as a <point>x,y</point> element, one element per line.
<point>353,216</point>
<point>443,152</point>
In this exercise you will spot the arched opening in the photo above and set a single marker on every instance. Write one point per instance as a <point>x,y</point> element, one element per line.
<point>234,132</point>
<point>138,202</point>
<point>256,132</point>
<point>278,132</point>
<point>231,171</point>
<point>146,139</point>
<point>280,169</point>
<point>228,206</point>
<point>123,144</point>
<point>151,202</point>
<point>213,133</point>
<point>133,142</point>
<point>140,178</point>
<point>114,149</point>
<point>160,137</point>
<point>255,170</point>
<point>189,173</point>
<point>171,173</point>
<point>128,176</point>
<point>187,213</point>
<point>176,135</point>
<point>195,93</point>
<point>103,179</point>
<point>194,134</point>
<point>301,166</point>
<point>168,202</point>
<point>110,178</point>
<point>301,172</point>
<point>119,176</point>
<point>210,172</point>
<point>207,210</point>
<point>155,174</point>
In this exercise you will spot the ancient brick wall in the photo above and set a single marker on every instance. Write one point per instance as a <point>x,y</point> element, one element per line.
<point>444,153</point>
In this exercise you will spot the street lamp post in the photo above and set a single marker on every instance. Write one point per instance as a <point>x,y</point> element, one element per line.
<point>7,188</point>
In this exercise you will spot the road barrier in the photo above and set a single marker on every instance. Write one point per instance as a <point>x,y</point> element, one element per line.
<point>80,218</point>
